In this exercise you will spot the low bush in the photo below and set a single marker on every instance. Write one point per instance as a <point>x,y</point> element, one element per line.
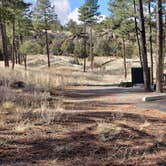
<point>31,47</point>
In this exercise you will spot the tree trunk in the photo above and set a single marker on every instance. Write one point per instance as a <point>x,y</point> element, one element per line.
<point>13,46</point>
<point>150,42</point>
<point>137,34</point>
<point>124,58</point>
<point>91,49</point>
<point>159,56</point>
<point>25,61</point>
<point>21,40</point>
<point>47,47</point>
<point>143,47</point>
<point>4,44</point>
<point>84,45</point>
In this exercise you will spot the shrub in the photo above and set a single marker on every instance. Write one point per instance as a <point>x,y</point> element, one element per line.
<point>55,47</point>
<point>79,49</point>
<point>68,47</point>
<point>130,50</point>
<point>102,48</point>
<point>31,47</point>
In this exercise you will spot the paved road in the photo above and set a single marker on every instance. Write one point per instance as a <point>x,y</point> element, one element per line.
<point>159,104</point>
<point>117,96</point>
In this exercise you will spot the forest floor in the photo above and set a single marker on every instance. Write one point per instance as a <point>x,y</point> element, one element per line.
<point>82,125</point>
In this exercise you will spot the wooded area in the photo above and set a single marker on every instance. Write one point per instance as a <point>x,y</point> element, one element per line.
<point>137,23</point>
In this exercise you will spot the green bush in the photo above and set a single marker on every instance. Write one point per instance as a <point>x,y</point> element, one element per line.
<point>31,47</point>
<point>68,47</point>
<point>102,48</point>
<point>79,49</point>
<point>130,50</point>
<point>55,47</point>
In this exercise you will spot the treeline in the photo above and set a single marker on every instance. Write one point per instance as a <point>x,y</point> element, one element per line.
<point>27,30</point>
<point>21,27</point>
<point>134,28</point>
<point>139,22</point>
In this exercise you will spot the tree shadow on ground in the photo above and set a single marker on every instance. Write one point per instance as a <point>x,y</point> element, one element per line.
<point>92,93</point>
<point>88,145</point>
<point>100,137</point>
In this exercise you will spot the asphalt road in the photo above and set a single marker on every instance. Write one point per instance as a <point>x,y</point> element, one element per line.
<point>158,104</point>
<point>118,96</point>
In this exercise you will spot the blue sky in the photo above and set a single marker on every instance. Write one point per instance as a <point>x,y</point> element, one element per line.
<point>103,5</point>
<point>68,9</point>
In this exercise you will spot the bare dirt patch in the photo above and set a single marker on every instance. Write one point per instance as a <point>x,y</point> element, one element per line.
<point>89,126</point>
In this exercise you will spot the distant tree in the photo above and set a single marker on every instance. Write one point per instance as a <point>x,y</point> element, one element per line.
<point>68,47</point>
<point>11,12</point>
<point>92,17</point>
<point>102,48</point>
<point>56,26</point>
<point>137,30</point>
<point>4,16</point>
<point>88,15</point>
<point>43,17</point>
<point>122,24</point>
<point>78,49</point>
<point>74,28</point>
<point>30,47</point>
<point>55,47</point>
<point>82,17</point>
<point>18,8</point>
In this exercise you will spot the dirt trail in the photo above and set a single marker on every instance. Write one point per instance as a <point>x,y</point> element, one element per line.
<point>98,126</point>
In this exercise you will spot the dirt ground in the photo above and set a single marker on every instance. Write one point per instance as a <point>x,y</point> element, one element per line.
<point>48,122</point>
<point>91,126</point>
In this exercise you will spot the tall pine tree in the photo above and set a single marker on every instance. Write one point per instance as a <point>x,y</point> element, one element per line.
<point>159,57</point>
<point>43,16</point>
<point>89,15</point>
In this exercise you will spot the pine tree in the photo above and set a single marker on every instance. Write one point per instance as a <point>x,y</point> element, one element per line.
<point>10,12</point>
<point>137,31</point>
<point>17,8</point>
<point>143,47</point>
<point>159,57</point>
<point>83,17</point>
<point>93,14</point>
<point>43,16</point>
<point>4,15</point>
<point>89,14</point>
<point>122,24</point>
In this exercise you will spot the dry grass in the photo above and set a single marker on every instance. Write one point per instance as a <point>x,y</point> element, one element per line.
<point>46,122</point>
<point>64,73</point>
